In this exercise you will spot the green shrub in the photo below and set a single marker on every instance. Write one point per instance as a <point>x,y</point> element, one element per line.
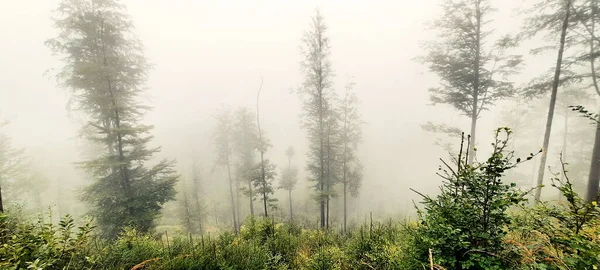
<point>465,225</point>
<point>376,248</point>
<point>563,236</point>
<point>41,245</point>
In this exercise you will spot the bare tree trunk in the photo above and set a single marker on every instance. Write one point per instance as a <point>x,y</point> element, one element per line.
<point>564,147</point>
<point>237,200</point>
<point>251,198</point>
<point>345,205</point>
<point>235,223</point>
<point>327,190</point>
<point>475,107</point>
<point>197,199</point>
<point>291,211</point>
<point>594,175</point>
<point>473,134</point>
<point>262,152</point>
<point>1,205</point>
<point>542,168</point>
<point>186,206</point>
<point>327,205</point>
<point>264,183</point>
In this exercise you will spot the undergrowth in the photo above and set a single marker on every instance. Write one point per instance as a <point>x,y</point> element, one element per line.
<point>476,222</point>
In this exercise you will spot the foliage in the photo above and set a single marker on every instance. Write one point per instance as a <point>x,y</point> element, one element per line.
<point>224,151</point>
<point>262,177</point>
<point>383,246</point>
<point>12,171</point>
<point>245,142</point>
<point>566,234</point>
<point>105,70</point>
<point>289,175</point>
<point>473,224</point>
<point>350,137</point>
<point>465,224</point>
<point>318,109</point>
<point>474,70</point>
<point>42,245</point>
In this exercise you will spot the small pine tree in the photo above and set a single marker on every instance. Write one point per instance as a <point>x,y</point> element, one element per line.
<point>289,178</point>
<point>12,162</point>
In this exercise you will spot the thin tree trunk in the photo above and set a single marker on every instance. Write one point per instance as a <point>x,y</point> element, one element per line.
<point>345,205</point>
<point>542,168</point>
<point>327,190</point>
<point>328,173</point>
<point>594,175</point>
<point>237,200</point>
<point>197,199</point>
<point>322,160</point>
<point>472,137</point>
<point>327,209</point>
<point>321,129</point>
<point>475,106</point>
<point>251,198</point>
<point>235,223</point>
<point>262,152</point>
<point>186,206</point>
<point>291,211</point>
<point>1,205</point>
<point>216,213</point>
<point>564,147</point>
<point>264,183</point>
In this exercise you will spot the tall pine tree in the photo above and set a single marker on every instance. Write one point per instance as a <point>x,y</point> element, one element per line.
<point>105,71</point>
<point>472,68</point>
<point>245,142</point>
<point>350,137</point>
<point>317,94</point>
<point>224,148</point>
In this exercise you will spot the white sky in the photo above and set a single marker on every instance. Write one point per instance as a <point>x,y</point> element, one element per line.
<point>208,53</point>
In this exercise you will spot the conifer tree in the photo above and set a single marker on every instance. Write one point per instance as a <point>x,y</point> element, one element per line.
<point>473,70</point>
<point>105,70</point>
<point>197,196</point>
<point>12,163</point>
<point>350,137</point>
<point>264,181</point>
<point>224,149</point>
<point>289,178</point>
<point>185,208</point>
<point>245,141</point>
<point>317,94</point>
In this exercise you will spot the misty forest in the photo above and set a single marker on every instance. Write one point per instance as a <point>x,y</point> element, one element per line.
<point>433,134</point>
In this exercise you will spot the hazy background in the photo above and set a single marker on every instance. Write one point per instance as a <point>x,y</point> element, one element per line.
<point>207,54</point>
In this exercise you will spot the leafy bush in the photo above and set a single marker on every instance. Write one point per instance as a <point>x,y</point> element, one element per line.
<point>41,245</point>
<point>563,236</point>
<point>465,225</point>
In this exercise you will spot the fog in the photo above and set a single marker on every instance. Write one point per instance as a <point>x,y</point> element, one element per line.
<point>209,54</point>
